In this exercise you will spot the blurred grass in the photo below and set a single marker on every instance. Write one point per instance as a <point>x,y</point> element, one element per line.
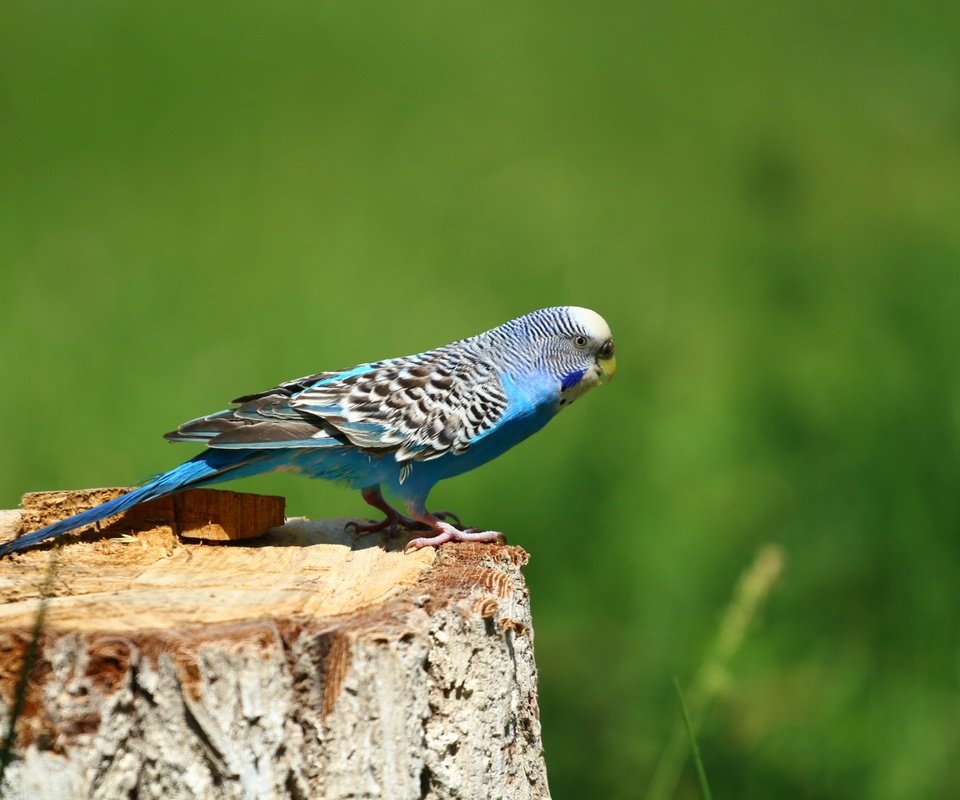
<point>197,201</point>
<point>694,748</point>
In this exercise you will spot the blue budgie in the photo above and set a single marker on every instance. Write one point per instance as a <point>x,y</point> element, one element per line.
<point>399,425</point>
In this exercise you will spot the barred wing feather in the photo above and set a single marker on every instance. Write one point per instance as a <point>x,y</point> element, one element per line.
<point>419,407</point>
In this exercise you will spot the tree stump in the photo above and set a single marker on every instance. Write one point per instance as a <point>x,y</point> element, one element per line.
<point>306,663</point>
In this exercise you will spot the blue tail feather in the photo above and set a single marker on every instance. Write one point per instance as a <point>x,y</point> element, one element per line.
<point>204,468</point>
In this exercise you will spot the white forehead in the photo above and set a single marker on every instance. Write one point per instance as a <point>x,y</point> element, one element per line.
<point>590,321</point>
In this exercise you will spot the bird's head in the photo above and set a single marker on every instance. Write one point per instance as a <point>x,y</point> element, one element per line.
<point>576,348</point>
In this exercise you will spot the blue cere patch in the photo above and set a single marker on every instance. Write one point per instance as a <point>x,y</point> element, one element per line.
<point>571,379</point>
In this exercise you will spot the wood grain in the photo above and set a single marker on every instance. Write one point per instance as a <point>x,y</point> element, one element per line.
<point>208,514</point>
<point>309,662</point>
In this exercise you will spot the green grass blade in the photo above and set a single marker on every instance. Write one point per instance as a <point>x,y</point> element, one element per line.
<point>695,749</point>
<point>713,676</point>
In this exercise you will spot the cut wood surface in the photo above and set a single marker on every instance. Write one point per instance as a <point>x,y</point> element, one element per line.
<point>213,515</point>
<point>307,663</point>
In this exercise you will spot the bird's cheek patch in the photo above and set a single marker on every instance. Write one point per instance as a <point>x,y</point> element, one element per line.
<point>571,379</point>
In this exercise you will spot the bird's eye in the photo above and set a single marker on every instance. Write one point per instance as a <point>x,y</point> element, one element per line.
<point>607,350</point>
<point>580,341</point>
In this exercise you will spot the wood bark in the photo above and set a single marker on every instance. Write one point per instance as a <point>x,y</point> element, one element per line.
<point>307,663</point>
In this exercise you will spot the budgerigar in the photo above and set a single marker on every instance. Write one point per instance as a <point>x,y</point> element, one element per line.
<point>402,424</point>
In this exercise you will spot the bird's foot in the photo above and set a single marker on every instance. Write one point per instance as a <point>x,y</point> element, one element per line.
<point>393,521</point>
<point>445,515</point>
<point>392,524</point>
<point>448,533</point>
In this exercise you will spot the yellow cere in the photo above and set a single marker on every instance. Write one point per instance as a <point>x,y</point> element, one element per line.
<point>608,366</point>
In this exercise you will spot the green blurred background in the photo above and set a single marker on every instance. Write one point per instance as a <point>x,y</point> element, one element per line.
<point>198,200</point>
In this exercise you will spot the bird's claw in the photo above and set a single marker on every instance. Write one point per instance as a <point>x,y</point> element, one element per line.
<point>363,528</point>
<point>448,533</point>
<point>391,524</point>
<point>500,537</point>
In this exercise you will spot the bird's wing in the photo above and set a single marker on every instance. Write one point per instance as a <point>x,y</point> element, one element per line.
<point>419,407</point>
<point>263,420</point>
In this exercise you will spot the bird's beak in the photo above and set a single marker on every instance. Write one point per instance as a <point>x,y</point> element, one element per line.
<point>607,367</point>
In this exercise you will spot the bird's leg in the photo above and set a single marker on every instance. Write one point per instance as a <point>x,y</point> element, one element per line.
<point>393,520</point>
<point>445,532</point>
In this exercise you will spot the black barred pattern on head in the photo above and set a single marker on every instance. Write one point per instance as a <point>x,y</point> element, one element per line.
<point>420,407</point>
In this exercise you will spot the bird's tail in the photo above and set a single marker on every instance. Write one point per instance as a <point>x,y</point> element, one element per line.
<point>207,467</point>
